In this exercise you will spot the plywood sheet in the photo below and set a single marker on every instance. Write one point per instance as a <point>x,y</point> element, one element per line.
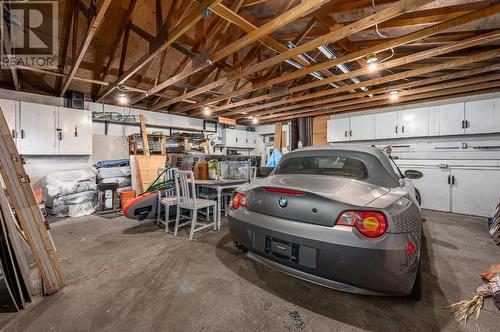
<point>320,124</point>
<point>146,170</point>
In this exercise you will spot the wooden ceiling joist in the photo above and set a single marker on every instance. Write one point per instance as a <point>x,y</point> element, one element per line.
<point>479,14</point>
<point>258,33</point>
<point>333,36</point>
<point>403,75</point>
<point>437,93</point>
<point>94,25</point>
<point>186,24</point>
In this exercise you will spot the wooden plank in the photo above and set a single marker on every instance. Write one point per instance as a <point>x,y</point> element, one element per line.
<point>28,212</point>
<point>319,130</point>
<point>8,53</point>
<point>144,134</point>
<point>227,121</point>
<point>146,170</point>
<point>277,135</point>
<point>94,26</point>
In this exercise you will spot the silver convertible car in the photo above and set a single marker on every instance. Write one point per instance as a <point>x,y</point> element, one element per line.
<point>342,216</point>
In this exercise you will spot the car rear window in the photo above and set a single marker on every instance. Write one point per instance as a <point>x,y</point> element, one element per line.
<point>324,165</point>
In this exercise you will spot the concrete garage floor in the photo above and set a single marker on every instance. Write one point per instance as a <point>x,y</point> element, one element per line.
<point>123,276</point>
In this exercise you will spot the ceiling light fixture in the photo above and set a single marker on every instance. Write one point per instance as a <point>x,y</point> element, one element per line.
<point>255,120</point>
<point>394,95</point>
<point>122,95</point>
<point>206,110</point>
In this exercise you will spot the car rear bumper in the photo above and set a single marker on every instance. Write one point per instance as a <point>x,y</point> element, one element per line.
<point>334,257</point>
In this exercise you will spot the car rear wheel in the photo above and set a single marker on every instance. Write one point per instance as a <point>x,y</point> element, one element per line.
<point>416,292</point>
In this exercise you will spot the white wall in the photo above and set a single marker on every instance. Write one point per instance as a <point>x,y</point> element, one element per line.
<point>114,145</point>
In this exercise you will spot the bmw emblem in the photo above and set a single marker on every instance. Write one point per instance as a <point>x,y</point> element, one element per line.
<point>282,202</point>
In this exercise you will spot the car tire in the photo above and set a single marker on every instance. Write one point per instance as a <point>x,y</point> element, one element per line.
<point>416,291</point>
<point>418,197</point>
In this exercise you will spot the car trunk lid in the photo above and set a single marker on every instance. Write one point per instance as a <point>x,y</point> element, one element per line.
<point>310,198</point>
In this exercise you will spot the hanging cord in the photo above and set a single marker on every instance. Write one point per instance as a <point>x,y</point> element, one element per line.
<point>380,34</point>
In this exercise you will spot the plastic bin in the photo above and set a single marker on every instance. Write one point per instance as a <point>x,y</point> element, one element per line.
<point>126,196</point>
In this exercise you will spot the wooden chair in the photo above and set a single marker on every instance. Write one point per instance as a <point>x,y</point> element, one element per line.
<point>187,200</point>
<point>166,198</point>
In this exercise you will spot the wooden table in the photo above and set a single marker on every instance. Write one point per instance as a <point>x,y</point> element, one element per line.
<point>220,185</point>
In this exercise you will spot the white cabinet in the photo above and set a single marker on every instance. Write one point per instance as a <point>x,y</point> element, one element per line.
<point>74,131</point>
<point>413,122</point>
<point>11,113</point>
<point>37,128</point>
<point>447,119</point>
<point>338,130</point>
<point>362,128</point>
<point>386,125</point>
<point>482,116</point>
<point>240,139</point>
<point>475,191</point>
<point>434,189</point>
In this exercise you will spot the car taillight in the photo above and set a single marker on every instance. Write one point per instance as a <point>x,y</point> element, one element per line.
<point>239,200</point>
<point>369,223</point>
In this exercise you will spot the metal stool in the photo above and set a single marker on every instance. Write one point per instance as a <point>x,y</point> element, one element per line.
<point>102,188</point>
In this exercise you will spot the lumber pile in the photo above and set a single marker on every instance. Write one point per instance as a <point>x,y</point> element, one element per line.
<point>20,208</point>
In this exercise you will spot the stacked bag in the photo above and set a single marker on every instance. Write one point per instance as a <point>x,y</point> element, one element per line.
<point>71,193</point>
<point>117,171</point>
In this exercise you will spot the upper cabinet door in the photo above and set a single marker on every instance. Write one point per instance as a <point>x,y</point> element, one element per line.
<point>362,127</point>
<point>386,125</point>
<point>482,117</point>
<point>338,130</point>
<point>37,129</point>
<point>9,110</point>
<point>446,119</point>
<point>414,122</point>
<point>74,132</point>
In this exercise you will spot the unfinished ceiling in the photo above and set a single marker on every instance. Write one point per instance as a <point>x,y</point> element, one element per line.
<point>271,60</point>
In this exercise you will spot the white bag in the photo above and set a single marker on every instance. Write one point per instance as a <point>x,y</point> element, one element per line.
<point>72,175</point>
<point>122,181</point>
<point>66,188</point>
<point>113,172</point>
<point>74,210</point>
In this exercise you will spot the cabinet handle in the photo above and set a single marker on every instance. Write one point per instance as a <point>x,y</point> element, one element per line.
<point>76,131</point>
<point>345,133</point>
<point>350,133</point>
<point>22,133</point>
<point>14,134</point>
<point>59,133</point>
<point>463,124</point>
<point>449,179</point>
<point>403,129</point>
<point>453,179</point>
<point>396,129</point>
<point>467,124</point>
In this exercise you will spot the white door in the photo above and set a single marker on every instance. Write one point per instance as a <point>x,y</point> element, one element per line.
<point>434,189</point>
<point>414,122</point>
<point>447,119</point>
<point>362,128</point>
<point>10,112</point>
<point>386,125</point>
<point>481,117</point>
<point>74,132</point>
<point>37,129</point>
<point>475,191</point>
<point>338,130</point>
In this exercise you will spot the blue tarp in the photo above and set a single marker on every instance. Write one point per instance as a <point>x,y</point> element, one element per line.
<point>112,163</point>
<point>274,159</point>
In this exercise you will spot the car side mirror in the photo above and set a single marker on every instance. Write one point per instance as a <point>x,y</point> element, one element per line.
<point>413,174</point>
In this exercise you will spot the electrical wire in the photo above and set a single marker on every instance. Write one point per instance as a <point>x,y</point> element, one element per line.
<point>380,34</point>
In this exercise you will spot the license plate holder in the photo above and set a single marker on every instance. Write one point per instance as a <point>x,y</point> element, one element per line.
<point>282,249</point>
